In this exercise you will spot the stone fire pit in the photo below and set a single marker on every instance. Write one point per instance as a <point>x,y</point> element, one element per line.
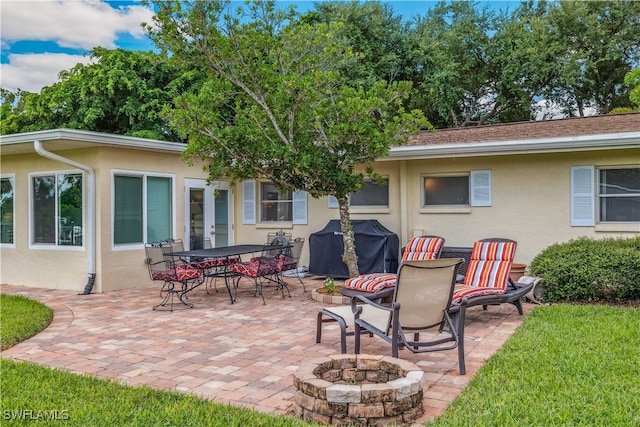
<point>359,390</point>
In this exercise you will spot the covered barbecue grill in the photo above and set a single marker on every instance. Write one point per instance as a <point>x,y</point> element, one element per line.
<point>376,247</point>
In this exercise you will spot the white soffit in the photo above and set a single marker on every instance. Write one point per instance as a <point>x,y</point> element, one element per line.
<point>69,139</point>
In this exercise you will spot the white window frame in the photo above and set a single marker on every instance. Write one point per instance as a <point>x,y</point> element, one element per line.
<point>370,206</point>
<point>262,201</point>
<point>599,196</point>
<point>30,204</point>
<point>12,178</point>
<point>480,190</point>
<point>144,175</point>
<point>252,204</point>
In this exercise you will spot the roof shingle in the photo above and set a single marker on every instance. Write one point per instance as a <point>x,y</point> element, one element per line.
<point>575,126</point>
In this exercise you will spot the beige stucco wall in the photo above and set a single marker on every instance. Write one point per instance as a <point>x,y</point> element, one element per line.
<point>51,267</point>
<point>531,200</point>
<point>531,204</point>
<point>67,268</point>
<point>318,214</point>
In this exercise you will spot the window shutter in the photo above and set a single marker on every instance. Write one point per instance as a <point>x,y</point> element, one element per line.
<point>481,188</point>
<point>249,202</point>
<point>582,196</point>
<point>299,207</point>
<point>333,202</point>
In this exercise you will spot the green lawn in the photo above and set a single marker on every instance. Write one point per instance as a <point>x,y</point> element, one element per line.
<point>567,365</point>
<point>21,318</point>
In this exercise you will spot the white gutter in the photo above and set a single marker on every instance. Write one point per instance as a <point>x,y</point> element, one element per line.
<point>622,140</point>
<point>91,210</point>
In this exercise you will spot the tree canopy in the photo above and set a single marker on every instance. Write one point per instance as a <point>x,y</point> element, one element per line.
<point>469,65</point>
<point>276,106</point>
<point>122,92</point>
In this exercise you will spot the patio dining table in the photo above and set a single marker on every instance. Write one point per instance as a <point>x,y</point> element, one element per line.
<point>221,253</point>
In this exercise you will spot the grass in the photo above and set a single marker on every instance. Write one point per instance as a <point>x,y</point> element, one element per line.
<point>568,365</point>
<point>21,318</point>
<point>81,400</point>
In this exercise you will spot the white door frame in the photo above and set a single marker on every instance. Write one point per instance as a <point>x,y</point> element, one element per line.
<point>209,208</point>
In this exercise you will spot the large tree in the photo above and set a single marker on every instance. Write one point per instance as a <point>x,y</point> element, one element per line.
<point>121,92</point>
<point>632,79</point>
<point>276,105</point>
<point>596,43</point>
<point>454,76</point>
<point>375,33</point>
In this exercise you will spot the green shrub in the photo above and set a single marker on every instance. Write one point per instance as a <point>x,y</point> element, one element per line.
<point>590,270</point>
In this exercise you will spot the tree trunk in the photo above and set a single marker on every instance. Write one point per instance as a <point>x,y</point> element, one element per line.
<point>349,256</point>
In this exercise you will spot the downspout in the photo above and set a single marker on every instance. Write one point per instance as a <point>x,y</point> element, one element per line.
<point>91,211</point>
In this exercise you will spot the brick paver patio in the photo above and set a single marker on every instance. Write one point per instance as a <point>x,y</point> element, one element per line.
<point>242,354</point>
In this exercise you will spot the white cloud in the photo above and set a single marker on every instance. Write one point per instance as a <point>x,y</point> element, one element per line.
<point>33,72</point>
<point>71,24</point>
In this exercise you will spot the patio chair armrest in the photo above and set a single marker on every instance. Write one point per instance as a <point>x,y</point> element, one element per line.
<point>357,309</point>
<point>373,296</point>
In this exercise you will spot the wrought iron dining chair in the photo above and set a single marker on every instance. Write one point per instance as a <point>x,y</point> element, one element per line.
<point>288,263</point>
<point>176,276</point>
<point>214,268</point>
<point>262,269</point>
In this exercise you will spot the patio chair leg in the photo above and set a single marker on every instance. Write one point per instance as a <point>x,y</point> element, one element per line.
<point>518,305</point>
<point>168,301</point>
<point>319,322</point>
<point>458,324</point>
<point>301,282</point>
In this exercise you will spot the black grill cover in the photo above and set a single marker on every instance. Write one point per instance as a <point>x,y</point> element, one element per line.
<point>376,247</point>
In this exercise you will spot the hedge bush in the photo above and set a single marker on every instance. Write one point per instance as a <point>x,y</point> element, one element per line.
<point>590,270</point>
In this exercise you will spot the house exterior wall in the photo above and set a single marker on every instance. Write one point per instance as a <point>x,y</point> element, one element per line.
<point>530,203</point>
<point>531,200</point>
<point>60,267</point>
<point>49,267</point>
<point>123,266</point>
<point>319,214</point>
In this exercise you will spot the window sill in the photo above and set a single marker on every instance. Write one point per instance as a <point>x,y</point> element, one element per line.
<point>369,210</point>
<point>633,227</point>
<point>445,210</point>
<point>275,225</point>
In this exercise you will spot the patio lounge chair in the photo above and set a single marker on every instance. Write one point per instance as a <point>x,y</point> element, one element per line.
<point>486,281</point>
<point>418,248</point>
<point>418,318</point>
<point>377,287</point>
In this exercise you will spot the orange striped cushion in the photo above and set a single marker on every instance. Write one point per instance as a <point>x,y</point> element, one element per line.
<point>420,248</point>
<point>490,265</point>
<point>373,282</point>
<point>464,291</point>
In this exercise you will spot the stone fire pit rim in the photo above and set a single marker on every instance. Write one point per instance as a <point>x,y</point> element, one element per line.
<point>408,383</point>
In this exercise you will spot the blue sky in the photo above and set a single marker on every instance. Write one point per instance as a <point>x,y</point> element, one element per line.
<point>40,38</point>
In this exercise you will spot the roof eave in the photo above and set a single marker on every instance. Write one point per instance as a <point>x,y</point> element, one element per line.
<point>102,139</point>
<point>609,141</point>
